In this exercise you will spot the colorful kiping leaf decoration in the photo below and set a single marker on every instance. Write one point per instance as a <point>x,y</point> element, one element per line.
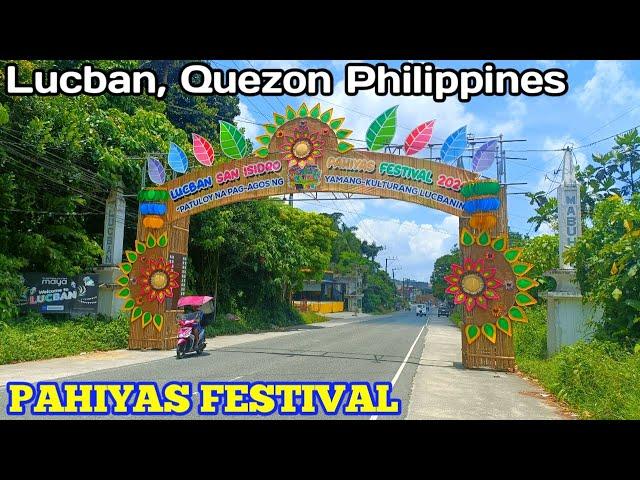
<point>202,150</point>
<point>453,147</point>
<point>504,325</point>
<point>489,331</point>
<point>382,130</point>
<point>232,142</point>
<point>156,171</point>
<point>419,138</point>
<point>333,124</point>
<point>177,159</point>
<point>484,156</point>
<point>472,332</point>
<point>466,238</point>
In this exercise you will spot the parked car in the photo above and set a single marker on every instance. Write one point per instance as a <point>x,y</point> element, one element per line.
<point>443,311</point>
<point>421,310</point>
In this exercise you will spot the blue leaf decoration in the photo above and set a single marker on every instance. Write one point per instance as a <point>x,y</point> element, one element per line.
<point>178,160</point>
<point>156,171</point>
<point>453,147</point>
<point>485,156</point>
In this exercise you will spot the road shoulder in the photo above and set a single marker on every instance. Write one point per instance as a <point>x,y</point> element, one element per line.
<point>442,389</point>
<point>51,369</point>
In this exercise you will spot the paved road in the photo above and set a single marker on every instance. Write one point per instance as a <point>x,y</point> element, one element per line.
<point>370,350</point>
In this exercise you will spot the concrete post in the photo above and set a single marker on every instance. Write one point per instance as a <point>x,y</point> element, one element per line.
<point>568,318</point>
<point>108,272</point>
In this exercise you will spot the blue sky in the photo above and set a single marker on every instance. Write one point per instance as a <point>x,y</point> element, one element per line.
<point>603,99</point>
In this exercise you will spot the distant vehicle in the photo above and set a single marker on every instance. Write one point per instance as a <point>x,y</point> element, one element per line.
<point>421,310</point>
<point>443,311</point>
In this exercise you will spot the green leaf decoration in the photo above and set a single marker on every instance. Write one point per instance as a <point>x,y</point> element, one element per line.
<point>335,124</point>
<point>484,239</point>
<point>131,256</point>
<point>232,142</point>
<point>466,238</point>
<point>504,325</point>
<point>124,292</point>
<point>315,111</point>
<point>512,254</point>
<point>521,268</point>
<point>303,111</point>
<point>153,195</point>
<point>140,247</point>
<point>524,299</point>
<point>157,321</point>
<point>129,304</point>
<point>340,134</point>
<point>264,139</point>
<point>123,281</point>
<point>525,283</point>
<point>291,113</point>
<point>136,313</point>
<point>326,116</point>
<point>126,267</point>
<point>472,332</point>
<point>344,147</point>
<point>474,189</point>
<point>280,120</point>
<point>271,129</point>
<point>499,244</point>
<point>382,130</point>
<point>517,314</point>
<point>146,319</point>
<point>151,240</point>
<point>262,152</point>
<point>489,331</point>
<point>162,240</point>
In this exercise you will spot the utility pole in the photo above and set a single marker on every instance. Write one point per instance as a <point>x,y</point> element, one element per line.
<point>291,199</point>
<point>386,260</point>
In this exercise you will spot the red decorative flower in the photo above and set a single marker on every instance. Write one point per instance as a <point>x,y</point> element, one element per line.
<point>303,147</point>
<point>472,284</point>
<point>489,255</point>
<point>158,280</point>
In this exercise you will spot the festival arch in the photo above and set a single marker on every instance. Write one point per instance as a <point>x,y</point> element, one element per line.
<point>306,150</point>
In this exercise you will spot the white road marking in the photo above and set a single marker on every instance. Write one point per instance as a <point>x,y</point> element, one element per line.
<point>237,378</point>
<point>399,372</point>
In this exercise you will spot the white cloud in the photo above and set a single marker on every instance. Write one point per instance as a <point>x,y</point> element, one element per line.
<point>416,246</point>
<point>516,110</point>
<point>610,87</point>
<point>248,122</point>
<point>545,229</point>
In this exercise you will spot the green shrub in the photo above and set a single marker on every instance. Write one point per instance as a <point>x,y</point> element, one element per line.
<point>530,339</point>
<point>253,320</point>
<point>599,379</point>
<point>35,337</point>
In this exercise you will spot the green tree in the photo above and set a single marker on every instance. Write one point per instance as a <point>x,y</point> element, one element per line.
<point>607,260</point>
<point>614,173</point>
<point>442,267</point>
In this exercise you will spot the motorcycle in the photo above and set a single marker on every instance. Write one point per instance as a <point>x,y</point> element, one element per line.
<point>189,329</point>
<point>191,333</point>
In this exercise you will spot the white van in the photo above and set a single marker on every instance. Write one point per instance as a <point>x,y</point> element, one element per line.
<point>421,310</point>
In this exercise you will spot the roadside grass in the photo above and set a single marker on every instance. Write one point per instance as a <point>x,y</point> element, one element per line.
<point>456,316</point>
<point>257,320</point>
<point>598,380</point>
<point>37,338</point>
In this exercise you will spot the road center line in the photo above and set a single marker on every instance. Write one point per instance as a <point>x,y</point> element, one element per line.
<point>399,372</point>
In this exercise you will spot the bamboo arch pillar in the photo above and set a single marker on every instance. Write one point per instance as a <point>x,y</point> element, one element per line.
<point>482,353</point>
<point>142,338</point>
